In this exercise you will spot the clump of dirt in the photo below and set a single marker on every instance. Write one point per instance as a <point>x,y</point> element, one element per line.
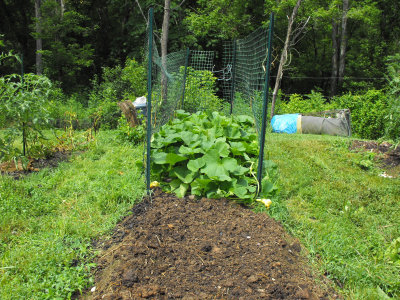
<point>172,248</point>
<point>34,165</point>
<point>389,155</point>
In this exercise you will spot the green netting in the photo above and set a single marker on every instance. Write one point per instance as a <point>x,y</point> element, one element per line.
<point>187,80</point>
<point>249,73</point>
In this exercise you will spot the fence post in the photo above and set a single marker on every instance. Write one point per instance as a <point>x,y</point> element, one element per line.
<point>265,103</point>
<point>23,123</point>
<point>233,75</point>
<point>149,79</point>
<point>184,76</point>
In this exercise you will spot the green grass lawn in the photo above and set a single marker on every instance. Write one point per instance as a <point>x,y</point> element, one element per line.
<point>331,198</point>
<point>346,216</point>
<point>48,219</point>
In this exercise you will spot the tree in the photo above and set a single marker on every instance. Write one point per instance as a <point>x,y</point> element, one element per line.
<point>66,52</point>
<point>164,47</point>
<point>284,55</point>
<point>39,45</point>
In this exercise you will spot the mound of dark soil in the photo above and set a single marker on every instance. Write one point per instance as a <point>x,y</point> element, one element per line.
<point>172,248</point>
<point>389,156</point>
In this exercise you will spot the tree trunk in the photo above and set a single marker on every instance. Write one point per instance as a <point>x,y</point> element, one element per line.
<point>39,45</point>
<point>343,43</point>
<point>62,8</point>
<point>284,56</point>
<point>335,56</point>
<point>164,48</point>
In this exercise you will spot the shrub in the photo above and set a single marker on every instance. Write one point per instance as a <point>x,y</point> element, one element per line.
<point>368,112</point>
<point>118,84</point>
<point>313,102</point>
<point>200,90</point>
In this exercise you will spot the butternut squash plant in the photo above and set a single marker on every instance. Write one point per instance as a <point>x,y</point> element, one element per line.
<point>210,155</point>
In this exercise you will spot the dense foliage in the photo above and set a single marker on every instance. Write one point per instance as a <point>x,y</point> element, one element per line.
<point>23,105</point>
<point>373,113</point>
<point>210,155</point>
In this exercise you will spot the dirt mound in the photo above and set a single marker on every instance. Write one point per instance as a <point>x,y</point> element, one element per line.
<point>201,249</point>
<point>390,156</point>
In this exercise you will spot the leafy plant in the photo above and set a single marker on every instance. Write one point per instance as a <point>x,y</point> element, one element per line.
<point>209,155</point>
<point>117,84</point>
<point>134,135</point>
<point>393,117</point>
<point>393,251</point>
<point>23,103</point>
<point>200,88</point>
<point>368,112</point>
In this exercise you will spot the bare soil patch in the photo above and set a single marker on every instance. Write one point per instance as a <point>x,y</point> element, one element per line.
<point>171,248</point>
<point>388,155</point>
<point>34,165</point>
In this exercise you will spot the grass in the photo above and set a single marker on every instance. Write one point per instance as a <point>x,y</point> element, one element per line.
<point>48,219</point>
<point>342,211</point>
<point>332,199</point>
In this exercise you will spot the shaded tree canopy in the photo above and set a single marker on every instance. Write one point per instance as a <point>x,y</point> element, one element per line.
<point>341,49</point>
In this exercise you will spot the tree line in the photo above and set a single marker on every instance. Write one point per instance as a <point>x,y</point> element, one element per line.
<point>332,46</point>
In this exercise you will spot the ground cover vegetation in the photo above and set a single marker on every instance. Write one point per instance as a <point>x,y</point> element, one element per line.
<point>346,215</point>
<point>49,218</point>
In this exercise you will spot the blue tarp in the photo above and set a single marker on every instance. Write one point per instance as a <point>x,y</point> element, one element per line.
<point>284,123</point>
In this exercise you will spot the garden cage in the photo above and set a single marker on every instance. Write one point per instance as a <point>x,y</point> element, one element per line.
<point>186,80</point>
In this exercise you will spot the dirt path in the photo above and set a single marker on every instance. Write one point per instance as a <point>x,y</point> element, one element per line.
<point>202,249</point>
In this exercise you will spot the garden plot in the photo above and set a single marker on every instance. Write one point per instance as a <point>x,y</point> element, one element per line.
<point>201,249</point>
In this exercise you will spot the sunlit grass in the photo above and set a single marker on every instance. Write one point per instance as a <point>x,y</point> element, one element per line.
<point>47,219</point>
<point>345,215</point>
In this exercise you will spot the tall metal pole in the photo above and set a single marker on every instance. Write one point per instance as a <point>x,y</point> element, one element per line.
<point>233,75</point>
<point>23,123</point>
<point>149,79</point>
<point>184,76</point>
<point>265,104</point>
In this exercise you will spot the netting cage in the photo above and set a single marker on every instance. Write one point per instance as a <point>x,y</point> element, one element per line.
<point>187,80</point>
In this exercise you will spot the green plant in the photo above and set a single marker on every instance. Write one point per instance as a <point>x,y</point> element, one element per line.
<point>368,112</point>
<point>23,103</point>
<point>314,102</point>
<point>116,85</point>
<point>127,133</point>
<point>393,117</point>
<point>200,91</point>
<point>209,155</point>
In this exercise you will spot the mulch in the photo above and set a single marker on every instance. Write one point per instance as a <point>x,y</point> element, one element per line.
<point>185,248</point>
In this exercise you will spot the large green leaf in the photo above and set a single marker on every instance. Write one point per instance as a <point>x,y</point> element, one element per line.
<point>190,150</point>
<point>232,132</point>
<point>237,148</point>
<point>217,168</point>
<point>195,164</point>
<point>162,158</point>
<point>179,188</point>
<point>222,147</point>
<point>183,174</point>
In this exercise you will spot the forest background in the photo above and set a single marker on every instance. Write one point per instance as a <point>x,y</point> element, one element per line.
<point>93,51</point>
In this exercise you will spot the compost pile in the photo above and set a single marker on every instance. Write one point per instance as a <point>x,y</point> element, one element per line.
<point>172,248</point>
